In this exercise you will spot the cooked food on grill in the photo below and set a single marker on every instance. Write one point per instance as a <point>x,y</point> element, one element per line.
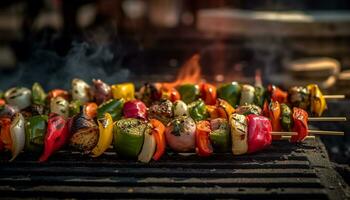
<point>205,120</point>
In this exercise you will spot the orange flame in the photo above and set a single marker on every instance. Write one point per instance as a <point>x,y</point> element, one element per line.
<point>190,72</point>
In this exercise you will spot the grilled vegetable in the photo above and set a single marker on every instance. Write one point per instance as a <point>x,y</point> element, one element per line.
<point>259,96</point>
<point>124,91</point>
<point>59,106</point>
<point>80,91</point>
<point>58,93</point>
<point>5,134</point>
<point>203,145</point>
<point>90,109</point>
<point>300,118</point>
<point>84,133</point>
<point>276,94</point>
<point>220,135</point>
<point>17,135</point>
<point>247,95</point>
<point>189,92</point>
<point>19,97</point>
<point>180,134</point>
<point>57,135</point>
<point>35,133</point>
<point>129,136</point>
<point>148,147</point>
<point>162,110</point>
<point>222,109</point>
<point>275,118</point>
<point>230,92</point>
<point>7,110</point>
<point>180,108</point>
<point>239,134</point>
<point>158,131</point>
<point>198,110</point>
<point>74,107</point>
<point>149,93</point>
<point>169,93</point>
<point>317,101</point>
<point>135,109</point>
<point>113,107</point>
<point>299,97</point>
<point>249,109</point>
<point>38,94</point>
<point>208,93</point>
<point>259,133</point>
<point>105,126</point>
<point>101,91</point>
<point>286,117</point>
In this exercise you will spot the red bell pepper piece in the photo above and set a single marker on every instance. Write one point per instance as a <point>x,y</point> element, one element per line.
<point>259,133</point>
<point>158,132</point>
<point>203,145</point>
<point>90,109</point>
<point>57,135</point>
<point>300,118</point>
<point>265,109</point>
<point>135,109</point>
<point>277,94</point>
<point>169,93</point>
<point>5,134</point>
<point>275,117</point>
<point>208,93</point>
<point>2,102</point>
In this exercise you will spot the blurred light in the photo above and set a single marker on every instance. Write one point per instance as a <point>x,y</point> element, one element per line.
<point>134,8</point>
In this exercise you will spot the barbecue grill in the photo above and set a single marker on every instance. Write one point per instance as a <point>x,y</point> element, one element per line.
<point>283,171</point>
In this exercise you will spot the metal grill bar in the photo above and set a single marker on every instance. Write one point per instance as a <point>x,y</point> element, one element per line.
<point>283,171</point>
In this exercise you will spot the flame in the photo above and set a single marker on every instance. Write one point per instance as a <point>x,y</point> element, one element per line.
<point>190,72</point>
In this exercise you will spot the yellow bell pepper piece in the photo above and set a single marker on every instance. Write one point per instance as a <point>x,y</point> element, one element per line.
<point>123,90</point>
<point>318,102</point>
<point>105,126</point>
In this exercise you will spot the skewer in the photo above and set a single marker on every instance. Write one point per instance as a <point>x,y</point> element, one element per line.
<point>327,119</point>
<point>310,137</point>
<point>313,132</point>
<point>334,96</point>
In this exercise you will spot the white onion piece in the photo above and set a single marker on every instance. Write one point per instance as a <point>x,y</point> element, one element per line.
<point>148,148</point>
<point>247,95</point>
<point>180,108</point>
<point>19,97</point>
<point>17,135</point>
<point>60,106</point>
<point>80,91</point>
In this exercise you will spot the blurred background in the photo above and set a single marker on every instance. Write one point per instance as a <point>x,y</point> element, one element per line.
<point>288,42</point>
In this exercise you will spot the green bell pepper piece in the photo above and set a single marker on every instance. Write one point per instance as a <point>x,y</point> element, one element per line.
<point>129,136</point>
<point>230,92</point>
<point>189,92</point>
<point>220,137</point>
<point>74,107</point>
<point>259,96</point>
<point>113,107</point>
<point>286,117</point>
<point>38,94</point>
<point>198,110</point>
<point>35,131</point>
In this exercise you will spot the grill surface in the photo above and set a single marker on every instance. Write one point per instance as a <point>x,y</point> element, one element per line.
<point>280,172</point>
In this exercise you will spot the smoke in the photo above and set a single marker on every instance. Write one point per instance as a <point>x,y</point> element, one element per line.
<point>85,60</point>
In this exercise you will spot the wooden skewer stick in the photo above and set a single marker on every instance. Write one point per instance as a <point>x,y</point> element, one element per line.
<point>334,96</point>
<point>313,132</point>
<point>318,132</point>
<point>282,133</point>
<point>310,137</point>
<point>327,119</point>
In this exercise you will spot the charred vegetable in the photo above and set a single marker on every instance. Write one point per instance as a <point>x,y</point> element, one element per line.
<point>135,109</point>
<point>38,94</point>
<point>189,92</point>
<point>17,135</point>
<point>59,106</point>
<point>129,137</point>
<point>180,134</point>
<point>220,135</point>
<point>80,91</point>
<point>247,95</point>
<point>203,144</point>
<point>84,132</point>
<point>19,97</point>
<point>35,133</point>
<point>286,117</point>
<point>162,110</point>
<point>101,91</point>
<point>180,108</point>
<point>239,134</point>
<point>198,110</point>
<point>124,91</point>
<point>149,93</point>
<point>230,92</point>
<point>317,100</point>
<point>113,107</point>
<point>105,126</point>
<point>249,109</point>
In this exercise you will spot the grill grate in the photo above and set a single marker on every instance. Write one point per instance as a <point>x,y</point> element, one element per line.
<point>282,171</point>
